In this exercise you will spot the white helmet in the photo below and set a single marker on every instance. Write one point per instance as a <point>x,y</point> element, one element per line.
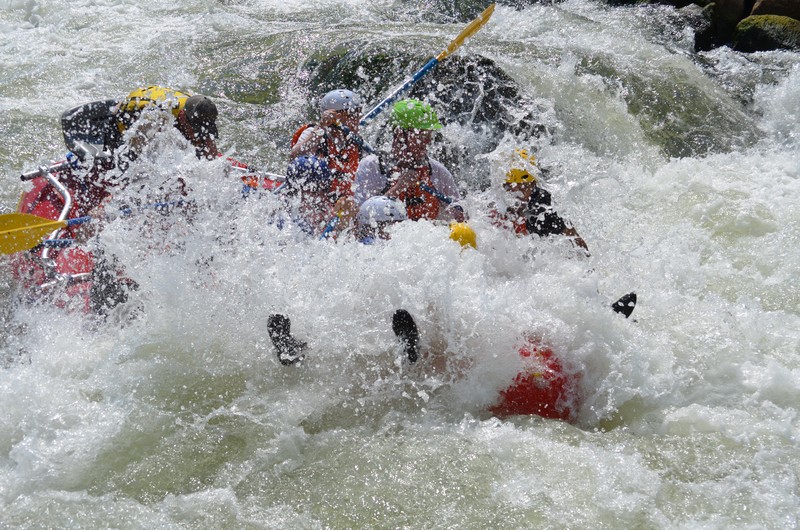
<point>381,209</point>
<point>340,99</point>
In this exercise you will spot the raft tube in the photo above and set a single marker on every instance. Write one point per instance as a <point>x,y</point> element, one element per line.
<point>542,388</point>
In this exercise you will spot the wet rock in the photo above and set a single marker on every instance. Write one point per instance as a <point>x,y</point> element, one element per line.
<point>785,8</point>
<point>675,112</point>
<point>722,27</point>
<point>724,15</point>
<point>767,32</point>
<point>730,11</point>
<point>700,20</point>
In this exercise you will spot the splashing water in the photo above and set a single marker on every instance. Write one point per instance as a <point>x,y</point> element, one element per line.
<point>681,172</point>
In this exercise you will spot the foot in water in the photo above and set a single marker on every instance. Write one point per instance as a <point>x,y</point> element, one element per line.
<point>406,330</point>
<point>625,305</point>
<point>290,350</point>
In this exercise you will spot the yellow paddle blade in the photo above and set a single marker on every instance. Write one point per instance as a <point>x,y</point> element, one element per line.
<point>467,32</point>
<point>23,231</point>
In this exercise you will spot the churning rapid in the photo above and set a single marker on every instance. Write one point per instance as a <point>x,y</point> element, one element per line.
<point>680,170</point>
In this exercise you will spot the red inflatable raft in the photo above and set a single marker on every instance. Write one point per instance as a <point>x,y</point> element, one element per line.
<point>63,276</point>
<point>543,387</point>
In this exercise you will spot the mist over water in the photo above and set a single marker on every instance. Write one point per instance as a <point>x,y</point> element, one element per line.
<point>681,172</point>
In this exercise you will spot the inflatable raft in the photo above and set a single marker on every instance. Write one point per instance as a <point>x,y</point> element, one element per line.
<point>543,387</point>
<point>59,270</point>
<point>59,275</point>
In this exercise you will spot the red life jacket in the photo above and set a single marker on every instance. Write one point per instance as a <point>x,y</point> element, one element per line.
<point>509,221</point>
<point>343,162</point>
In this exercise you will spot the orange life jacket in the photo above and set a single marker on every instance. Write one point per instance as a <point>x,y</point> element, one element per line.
<point>342,163</point>
<point>421,204</point>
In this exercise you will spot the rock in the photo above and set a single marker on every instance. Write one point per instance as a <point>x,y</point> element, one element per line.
<point>699,19</point>
<point>678,4</point>
<point>724,15</point>
<point>767,32</point>
<point>675,109</point>
<point>785,8</point>
<point>730,12</point>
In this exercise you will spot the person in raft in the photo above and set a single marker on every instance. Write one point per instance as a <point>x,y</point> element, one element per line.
<point>100,126</point>
<point>530,210</point>
<point>409,174</point>
<point>375,216</point>
<point>334,139</point>
<point>305,196</point>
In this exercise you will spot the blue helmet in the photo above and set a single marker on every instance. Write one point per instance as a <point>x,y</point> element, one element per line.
<point>308,173</point>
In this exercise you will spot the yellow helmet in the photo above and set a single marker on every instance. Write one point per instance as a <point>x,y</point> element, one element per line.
<point>518,176</point>
<point>525,155</point>
<point>156,96</point>
<point>463,234</point>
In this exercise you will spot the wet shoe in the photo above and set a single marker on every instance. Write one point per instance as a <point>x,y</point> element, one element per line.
<point>625,305</point>
<point>289,349</point>
<point>406,330</point>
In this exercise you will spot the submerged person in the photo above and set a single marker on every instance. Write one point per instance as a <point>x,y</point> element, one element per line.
<point>409,174</point>
<point>375,216</point>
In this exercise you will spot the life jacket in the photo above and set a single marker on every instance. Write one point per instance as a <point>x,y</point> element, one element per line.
<point>510,221</point>
<point>544,387</point>
<point>538,217</point>
<point>420,199</point>
<point>132,106</point>
<point>343,163</point>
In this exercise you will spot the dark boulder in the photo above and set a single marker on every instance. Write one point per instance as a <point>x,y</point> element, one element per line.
<point>767,32</point>
<point>784,8</point>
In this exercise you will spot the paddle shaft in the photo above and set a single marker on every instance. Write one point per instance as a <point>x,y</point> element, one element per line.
<point>394,96</point>
<point>467,32</point>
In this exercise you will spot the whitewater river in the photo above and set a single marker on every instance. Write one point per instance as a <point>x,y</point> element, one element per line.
<point>681,172</point>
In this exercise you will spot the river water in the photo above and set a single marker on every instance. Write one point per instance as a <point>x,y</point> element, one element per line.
<point>682,173</point>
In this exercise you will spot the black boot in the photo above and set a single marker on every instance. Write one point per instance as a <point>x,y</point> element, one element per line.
<point>625,305</point>
<point>290,350</point>
<point>406,330</point>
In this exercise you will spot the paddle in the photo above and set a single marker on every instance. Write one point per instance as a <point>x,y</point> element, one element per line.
<point>358,140</point>
<point>467,32</point>
<point>23,231</point>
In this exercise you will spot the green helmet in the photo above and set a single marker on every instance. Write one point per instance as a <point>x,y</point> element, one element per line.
<point>414,114</point>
